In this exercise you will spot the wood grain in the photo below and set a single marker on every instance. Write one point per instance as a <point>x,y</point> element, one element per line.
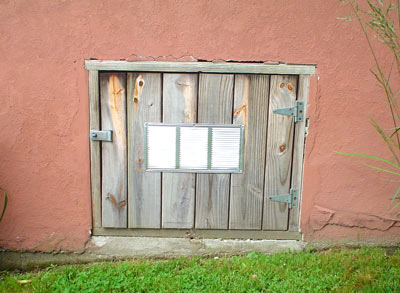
<point>144,188</point>
<point>95,160</point>
<point>251,109</point>
<point>210,67</point>
<point>298,154</point>
<point>279,151</point>
<point>114,156</point>
<point>178,190</point>
<point>212,190</point>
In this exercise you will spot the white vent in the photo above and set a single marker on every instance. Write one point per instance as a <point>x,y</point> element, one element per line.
<point>194,148</point>
<point>225,148</point>
<point>161,151</point>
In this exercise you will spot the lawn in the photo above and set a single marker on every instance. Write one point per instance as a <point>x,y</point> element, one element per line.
<point>366,269</point>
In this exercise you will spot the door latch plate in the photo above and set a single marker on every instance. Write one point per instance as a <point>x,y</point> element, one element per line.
<point>101,135</point>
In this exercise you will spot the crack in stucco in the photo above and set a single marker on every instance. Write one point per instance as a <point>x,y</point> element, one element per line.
<point>191,58</point>
<point>322,217</point>
<point>355,226</point>
<point>162,57</point>
<point>317,113</point>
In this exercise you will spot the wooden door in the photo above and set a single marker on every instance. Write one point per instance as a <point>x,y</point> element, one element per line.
<point>135,199</point>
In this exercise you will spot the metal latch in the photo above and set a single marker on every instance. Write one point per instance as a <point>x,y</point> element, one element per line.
<point>102,135</point>
<point>296,111</point>
<point>290,199</point>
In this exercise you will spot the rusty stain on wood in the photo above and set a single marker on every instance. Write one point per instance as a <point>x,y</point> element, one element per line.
<point>240,115</point>
<point>189,99</point>
<point>279,151</point>
<point>138,91</point>
<point>144,188</point>
<point>239,110</point>
<point>116,204</point>
<point>290,87</point>
<point>115,92</point>
<point>251,91</point>
<point>114,165</point>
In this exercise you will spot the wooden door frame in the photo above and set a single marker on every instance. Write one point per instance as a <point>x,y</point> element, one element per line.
<point>96,66</point>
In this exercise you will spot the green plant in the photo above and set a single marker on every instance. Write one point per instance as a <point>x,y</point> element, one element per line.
<point>382,20</point>
<point>337,270</point>
<point>4,205</point>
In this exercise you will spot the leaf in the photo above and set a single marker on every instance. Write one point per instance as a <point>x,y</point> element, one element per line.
<point>370,157</point>
<point>383,170</point>
<point>394,132</point>
<point>4,205</point>
<point>346,18</point>
<point>388,141</point>
<point>395,195</point>
<point>395,206</point>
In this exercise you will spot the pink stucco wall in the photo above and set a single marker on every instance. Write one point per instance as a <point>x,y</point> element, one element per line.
<point>44,154</point>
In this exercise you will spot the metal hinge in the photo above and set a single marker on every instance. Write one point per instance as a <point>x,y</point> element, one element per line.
<point>102,135</point>
<point>290,199</point>
<point>296,111</point>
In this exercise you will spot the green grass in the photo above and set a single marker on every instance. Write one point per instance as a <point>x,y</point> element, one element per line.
<point>342,270</point>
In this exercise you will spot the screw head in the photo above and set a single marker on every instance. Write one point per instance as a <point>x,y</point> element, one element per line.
<point>94,134</point>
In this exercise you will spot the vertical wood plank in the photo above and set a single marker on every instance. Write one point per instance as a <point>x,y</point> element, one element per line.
<point>212,190</point>
<point>279,151</point>
<point>114,157</point>
<point>251,109</point>
<point>298,154</point>
<point>178,189</point>
<point>95,169</point>
<point>144,188</point>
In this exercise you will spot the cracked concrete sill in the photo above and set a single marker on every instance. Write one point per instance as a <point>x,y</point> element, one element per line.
<point>103,248</point>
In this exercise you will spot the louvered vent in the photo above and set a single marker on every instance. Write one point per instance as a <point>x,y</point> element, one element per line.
<point>194,148</point>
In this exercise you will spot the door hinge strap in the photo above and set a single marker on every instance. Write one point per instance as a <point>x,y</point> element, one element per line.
<point>290,199</point>
<point>101,135</point>
<point>296,111</point>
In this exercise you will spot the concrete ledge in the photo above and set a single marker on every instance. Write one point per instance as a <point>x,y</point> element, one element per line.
<point>103,248</point>
<point>26,260</point>
<point>175,247</point>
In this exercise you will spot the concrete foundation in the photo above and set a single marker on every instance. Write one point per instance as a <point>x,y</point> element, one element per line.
<point>176,247</point>
<point>102,248</point>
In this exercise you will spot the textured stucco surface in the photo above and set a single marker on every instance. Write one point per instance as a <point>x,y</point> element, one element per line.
<point>44,154</point>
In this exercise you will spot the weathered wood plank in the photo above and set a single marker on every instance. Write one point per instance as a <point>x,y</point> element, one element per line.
<point>298,154</point>
<point>210,67</point>
<point>95,161</point>
<point>212,190</point>
<point>114,156</point>
<point>279,151</point>
<point>251,109</point>
<point>144,188</point>
<point>178,190</point>
<point>193,234</point>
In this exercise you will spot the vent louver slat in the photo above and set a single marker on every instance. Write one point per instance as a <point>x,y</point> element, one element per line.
<point>194,148</point>
<point>225,148</point>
